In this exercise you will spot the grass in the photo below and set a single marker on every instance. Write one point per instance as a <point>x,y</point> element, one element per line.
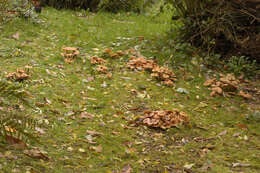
<point>110,101</point>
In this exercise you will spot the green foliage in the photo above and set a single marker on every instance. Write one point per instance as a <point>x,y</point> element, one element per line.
<point>12,117</point>
<point>242,65</point>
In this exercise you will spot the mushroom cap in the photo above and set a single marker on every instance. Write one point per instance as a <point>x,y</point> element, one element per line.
<point>69,48</point>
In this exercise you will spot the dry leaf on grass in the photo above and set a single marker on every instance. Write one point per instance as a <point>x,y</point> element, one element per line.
<point>94,133</point>
<point>16,36</point>
<point>85,115</point>
<point>36,154</point>
<point>15,142</point>
<point>98,149</point>
<point>127,169</point>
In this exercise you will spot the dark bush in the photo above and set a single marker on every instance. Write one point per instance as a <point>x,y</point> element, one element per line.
<point>72,4</point>
<point>94,5</point>
<point>120,5</point>
<point>229,27</point>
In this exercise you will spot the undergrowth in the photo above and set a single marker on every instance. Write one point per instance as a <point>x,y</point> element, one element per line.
<point>76,100</point>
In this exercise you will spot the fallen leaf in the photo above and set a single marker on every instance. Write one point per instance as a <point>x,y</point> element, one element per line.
<point>81,150</point>
<point>242,126</point>
<point>16,36</point>
<point>70,149</point>
<point>15,142</point>
<point>94,133</point>
<point>223,133</point>
<point>240,165</point>
<point>188,166</point>
<point>86,115</point>
<point>98,149</point>
<point>41,131</point>
<point>90,78</point>
<point>127,169</point>
<point>182,90</point>
<point>36,154</point>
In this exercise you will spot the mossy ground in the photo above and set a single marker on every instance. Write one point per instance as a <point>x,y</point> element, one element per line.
<point>112,103</point>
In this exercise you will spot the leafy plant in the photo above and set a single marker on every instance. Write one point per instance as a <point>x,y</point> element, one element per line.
<point>242,65</point>
<point>13,121</point>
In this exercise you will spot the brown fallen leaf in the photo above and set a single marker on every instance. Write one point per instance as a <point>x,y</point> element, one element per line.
<point>98,149</point>
<point>242,126</point>
<point>16,143</point>
<point>90,78</point>
<point>234,165</point>
<point>94,133</point>
<point>16,36</point>
<point>86,115</point>
<point>127,169</point>
<point>36,154</point>
<point>222,133</point>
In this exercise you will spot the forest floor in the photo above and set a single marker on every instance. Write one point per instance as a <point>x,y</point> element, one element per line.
<point>90,113</point>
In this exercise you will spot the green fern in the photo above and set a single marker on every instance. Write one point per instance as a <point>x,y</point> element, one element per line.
<point>14,122</point>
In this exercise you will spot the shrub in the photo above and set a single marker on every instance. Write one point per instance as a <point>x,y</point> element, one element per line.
<point>94,5</point>
<point>72,4</point>
<point>120,5</point>
<point>229,27</point>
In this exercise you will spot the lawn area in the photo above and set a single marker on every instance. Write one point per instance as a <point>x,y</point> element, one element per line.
<point>89,116</point>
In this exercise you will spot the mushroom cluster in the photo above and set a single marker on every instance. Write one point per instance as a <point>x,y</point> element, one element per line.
<point>19,75</point>
<point>164,119</point>
<point>141,63</point>
<point>70,53</point>
<point>111,54</point>
<point>164,74</point>
<point>225,85</point>
<point>96,60</point>
<point>160,73</point>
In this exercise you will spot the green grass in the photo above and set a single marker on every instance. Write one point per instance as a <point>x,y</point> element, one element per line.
<point>146,150</point>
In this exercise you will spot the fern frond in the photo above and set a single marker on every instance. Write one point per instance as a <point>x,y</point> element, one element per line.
<point>13,122</point>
